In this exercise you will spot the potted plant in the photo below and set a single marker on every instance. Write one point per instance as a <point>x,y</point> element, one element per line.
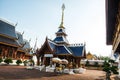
<point>109,68</point>
<point>18,62</point>
<point>8,60</point>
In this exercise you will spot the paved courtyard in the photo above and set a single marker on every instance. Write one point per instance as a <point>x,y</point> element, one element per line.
<point>21,73</point>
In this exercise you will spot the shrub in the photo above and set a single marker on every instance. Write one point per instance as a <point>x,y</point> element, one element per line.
<point>1,60</point>
<point>96,64</point>
<point>106,63</point>
<point>8,60</point>
<point>32,63</point>
<point>18,62</point>
<point>114,69</point>
<point>87,63</point>
<point>25,62</point>
<point>109,68</point>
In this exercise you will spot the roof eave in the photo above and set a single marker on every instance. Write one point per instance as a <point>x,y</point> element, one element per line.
<point>8,37</point>
<point>9,44</point>
<point>111,12</point>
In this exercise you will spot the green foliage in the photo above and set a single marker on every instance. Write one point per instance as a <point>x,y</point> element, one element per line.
<point>103,58</point>
<point>8,60</point>
<point>114,69</point>
<point>1,60</point>
<point>18,62</point>
<point>96,64</point>
<point>32,62</point>
<point>111,61</point>
<point>106,64</point>
<point>87,63</point>
<point>108,67</point>
<point>25,62</point>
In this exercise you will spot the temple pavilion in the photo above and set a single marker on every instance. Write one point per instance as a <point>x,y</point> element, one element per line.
<point>12,44</point>
<point>60,47</point>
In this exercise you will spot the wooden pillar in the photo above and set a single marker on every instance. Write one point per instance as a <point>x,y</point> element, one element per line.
<point>44,60</point>
<point>6,52</point>
<point>13,52</point>
<point>23,57</point>
<point>38,60</point>
<point>2,51</point>
<point>68,59</point>
<point>78,61</point>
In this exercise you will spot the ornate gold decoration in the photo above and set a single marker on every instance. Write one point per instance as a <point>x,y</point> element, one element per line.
<point>61,25</point>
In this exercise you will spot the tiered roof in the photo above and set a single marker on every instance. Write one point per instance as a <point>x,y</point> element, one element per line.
<point>60,45</point>
<point>61,34</point>
<point>25,45</point>
<point>63,49</point>
<point>7,34</point>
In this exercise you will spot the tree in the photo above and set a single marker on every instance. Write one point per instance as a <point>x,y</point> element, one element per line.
<point>110,68</point>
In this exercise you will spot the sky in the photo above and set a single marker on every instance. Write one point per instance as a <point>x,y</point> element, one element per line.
<point>84,21</point>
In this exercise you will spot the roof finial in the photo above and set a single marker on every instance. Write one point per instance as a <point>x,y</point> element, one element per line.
<point>16,24</point>
<point>35,46</point>
<point>61,25</point>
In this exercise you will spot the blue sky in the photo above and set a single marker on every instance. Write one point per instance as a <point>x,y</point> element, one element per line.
<point>84,21</point>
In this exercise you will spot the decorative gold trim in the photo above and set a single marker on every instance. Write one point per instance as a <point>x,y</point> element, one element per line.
<point>61,25</point>
<point>20,51</point>
<point>116,38</point>
<point>64,54</point>
<point>48,53</point>
<point>28,55</point>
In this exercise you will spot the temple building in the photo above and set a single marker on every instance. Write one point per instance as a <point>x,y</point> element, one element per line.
<point>24,50</point>
<point>12,44</point>
<point>60,47</point>
<point>113,28</point>
<point>113,24</point>
<point>90,56</point>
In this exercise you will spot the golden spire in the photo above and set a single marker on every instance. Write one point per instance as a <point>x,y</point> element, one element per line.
<point>61,25</point>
